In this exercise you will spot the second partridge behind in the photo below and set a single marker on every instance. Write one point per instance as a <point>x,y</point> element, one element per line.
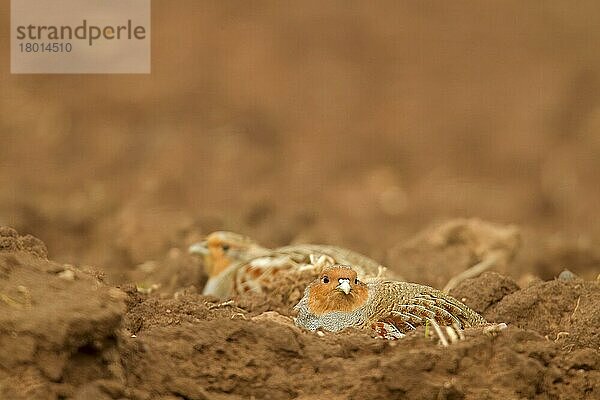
<point>236,264</point>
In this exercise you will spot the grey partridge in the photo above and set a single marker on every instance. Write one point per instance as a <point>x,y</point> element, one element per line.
<point>338,299</point>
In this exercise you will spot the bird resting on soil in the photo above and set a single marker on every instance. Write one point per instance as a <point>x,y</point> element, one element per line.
<point>338,299</point>
<point>236,264</point>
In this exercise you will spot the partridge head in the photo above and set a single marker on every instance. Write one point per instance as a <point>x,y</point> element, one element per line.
<point>221,249</point>
<point>339,300</point>
<point>222,253</point>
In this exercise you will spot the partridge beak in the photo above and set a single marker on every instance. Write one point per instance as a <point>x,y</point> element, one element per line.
<point>199,248</point>
<point>344,286</point>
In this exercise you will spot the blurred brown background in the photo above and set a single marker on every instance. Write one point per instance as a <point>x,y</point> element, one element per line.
<point>355,123</point>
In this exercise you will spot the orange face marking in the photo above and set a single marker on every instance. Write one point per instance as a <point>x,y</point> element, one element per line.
<point>325,295</point>
<point>216,260</point>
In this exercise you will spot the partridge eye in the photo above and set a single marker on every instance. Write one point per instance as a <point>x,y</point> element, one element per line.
<point>356,281</point>
<point>225,247</point>
<point>325,279</point>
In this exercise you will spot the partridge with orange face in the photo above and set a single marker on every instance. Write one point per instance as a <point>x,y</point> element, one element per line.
<point>339,300</point>
<point>236,264</point>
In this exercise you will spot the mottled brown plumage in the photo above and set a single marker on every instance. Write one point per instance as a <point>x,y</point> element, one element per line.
<point>337,300</point>
<point>237,264</point>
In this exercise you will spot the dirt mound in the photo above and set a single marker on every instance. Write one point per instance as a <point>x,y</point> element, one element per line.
<point>484,291</point>
<point>566,312</point>
<point>174,271</point>
<point>563,310</point>
<point>146,312</point>
<point>443,251</point>
<point>11,241</point>
<point>59,322</point>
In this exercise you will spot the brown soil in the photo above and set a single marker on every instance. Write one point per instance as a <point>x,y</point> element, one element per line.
<point>73,336</point>
<point>431,137</point>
